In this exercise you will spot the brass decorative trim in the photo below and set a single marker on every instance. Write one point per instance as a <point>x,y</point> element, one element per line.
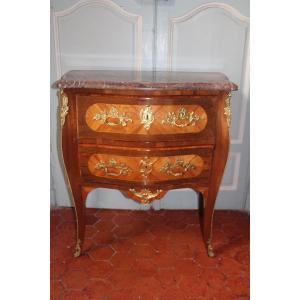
<point>122,168</point>
<point>227,109</point>
<point>146,116</point>
<point>64,108</point>
<point>63,112</point>
<point>113,113</point>
<point>170,168</point>
<point>172,119</point>
<point>146,166</point>
<point>210,250</point>
<point>145,195</point>
<point>77,248</point>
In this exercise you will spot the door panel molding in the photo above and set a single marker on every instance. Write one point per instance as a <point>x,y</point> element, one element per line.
<point>231,11</point>
<point>135,19</point>
<point>176,59</point>
<point>236,171</point>
<point>245,91</point>
<point>241,20</point>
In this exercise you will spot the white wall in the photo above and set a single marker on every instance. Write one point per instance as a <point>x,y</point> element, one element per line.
<point>188,35</point>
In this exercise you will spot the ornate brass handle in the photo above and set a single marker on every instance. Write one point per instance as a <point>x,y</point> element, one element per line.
<point>173,169</point>
<point>145,194</point>
<point>112,164</point>
<point>183,115</point>
<point>113,113</point>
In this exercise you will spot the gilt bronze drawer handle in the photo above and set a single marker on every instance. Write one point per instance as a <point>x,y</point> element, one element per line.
<point>145,195</point>
<point>146,116</point>
<point>177,169</point>
<point>112,164</point>
<point>190,118</point>
<point>113,113</point>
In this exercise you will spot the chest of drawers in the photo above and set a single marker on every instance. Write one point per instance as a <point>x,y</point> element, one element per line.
<point>144,133</point>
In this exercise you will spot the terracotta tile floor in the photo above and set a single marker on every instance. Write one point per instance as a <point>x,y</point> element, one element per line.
<point>149,255</point>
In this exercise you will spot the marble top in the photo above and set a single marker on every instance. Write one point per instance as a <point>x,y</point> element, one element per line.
<point>139,80</point>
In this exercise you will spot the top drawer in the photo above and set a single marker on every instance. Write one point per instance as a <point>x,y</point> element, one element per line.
<point>128,118</point>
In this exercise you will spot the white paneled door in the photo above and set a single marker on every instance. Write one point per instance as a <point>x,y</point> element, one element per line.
<point>164,35</point>
<point>213,36</point>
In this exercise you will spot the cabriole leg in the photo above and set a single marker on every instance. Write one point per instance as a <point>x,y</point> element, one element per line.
<point>79,203</point>
<point>208,224</point>
<point>80,217</point>
<point>200,203</point>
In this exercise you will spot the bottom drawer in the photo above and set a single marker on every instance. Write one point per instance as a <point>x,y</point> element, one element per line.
<point>146,165</point>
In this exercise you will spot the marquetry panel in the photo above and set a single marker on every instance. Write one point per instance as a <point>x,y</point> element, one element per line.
<point>146,119</point>
<point>153,168</point>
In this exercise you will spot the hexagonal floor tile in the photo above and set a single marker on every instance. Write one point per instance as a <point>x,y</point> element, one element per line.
<point>149,255</point>
<point>75,279</point>
<point>102,253</point>
<point>97,289</point>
